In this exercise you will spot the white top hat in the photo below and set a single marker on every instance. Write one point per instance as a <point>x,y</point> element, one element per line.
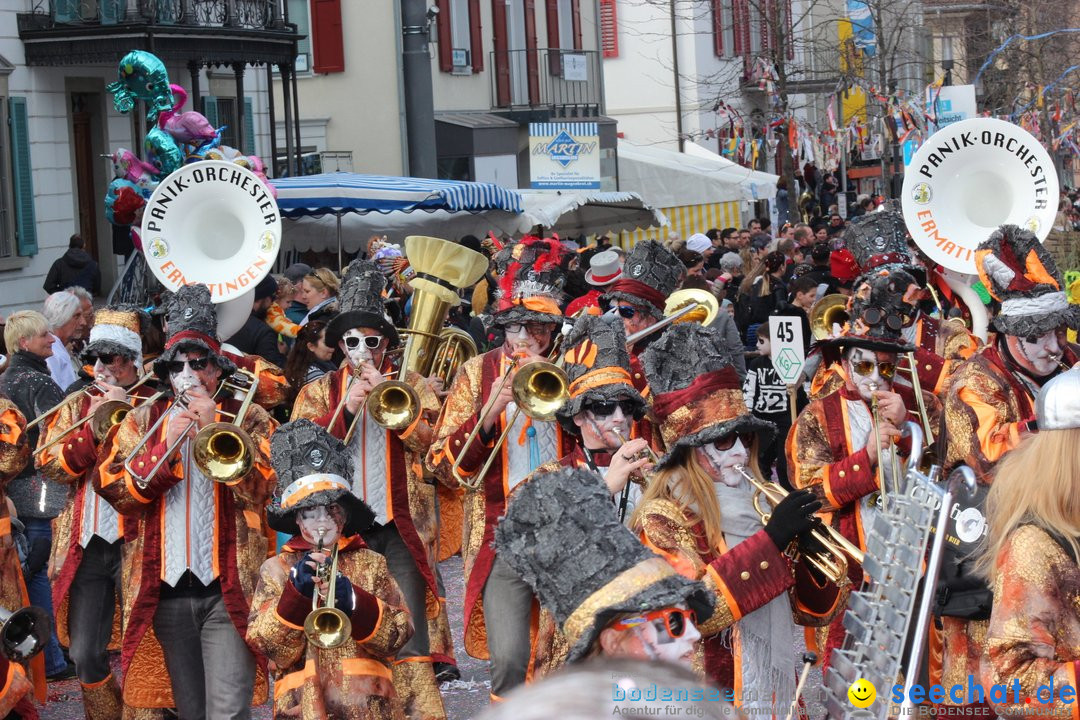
<point>604,268</point>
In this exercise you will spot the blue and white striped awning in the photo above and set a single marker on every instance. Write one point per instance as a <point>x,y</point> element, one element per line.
<point>340,193</point>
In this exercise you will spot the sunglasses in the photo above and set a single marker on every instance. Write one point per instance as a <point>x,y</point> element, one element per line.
<point>604,409</point>
<point>675,620</point>
<point>533,328</point>
<point>105,358</point>
<point>371,341</point>
<point>177,366</point>
<point>626,311</point>
<point>727,442</point>
<point>866,368</point>
<point>877,316</point>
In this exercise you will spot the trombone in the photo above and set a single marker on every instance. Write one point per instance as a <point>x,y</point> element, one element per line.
<point>221,451</point>
<point>833,561</point>
<point>89,391</point>
<point>107,416</point>
<point>325,626</point>
<point>686,305</point>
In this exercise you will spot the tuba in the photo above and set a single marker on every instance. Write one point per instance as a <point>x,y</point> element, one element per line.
<point>23,633</point>
<point>456,348</point>
<point>826,312</point>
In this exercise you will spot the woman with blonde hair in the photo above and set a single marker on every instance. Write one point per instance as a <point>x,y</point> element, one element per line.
<point>1031,558</point>
<point>698,513</point>
<point>319,291</point>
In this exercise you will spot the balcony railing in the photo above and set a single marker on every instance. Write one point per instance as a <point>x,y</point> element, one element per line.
<point>565,82</point>
<point>246,14</point>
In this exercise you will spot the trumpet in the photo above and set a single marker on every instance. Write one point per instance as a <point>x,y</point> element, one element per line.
<point>687,305</point>
<point>325,626</point>
<point>1059,359</point>
<point>833,562</point>
<point>23,633</point>
<point>222,451</point>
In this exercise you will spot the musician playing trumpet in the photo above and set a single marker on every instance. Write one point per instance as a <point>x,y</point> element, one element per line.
<point>386,474</point>
<point>843,444</point>
<point>195,550</point>
<point>478,409</point>
<point>89,533</point>
<point>351,679</point>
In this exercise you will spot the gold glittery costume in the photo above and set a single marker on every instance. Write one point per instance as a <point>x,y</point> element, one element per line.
<point>350,682</point>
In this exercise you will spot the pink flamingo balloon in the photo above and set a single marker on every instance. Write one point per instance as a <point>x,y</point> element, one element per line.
<point>185,127</point>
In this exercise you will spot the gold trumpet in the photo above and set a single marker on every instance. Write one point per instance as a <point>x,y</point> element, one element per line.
<point>833,562</point>
<point>686,305</point>
<point>325,626</point>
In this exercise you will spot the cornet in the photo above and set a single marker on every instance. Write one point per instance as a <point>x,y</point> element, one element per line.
<point>325,626</point>
<point>833,562</point>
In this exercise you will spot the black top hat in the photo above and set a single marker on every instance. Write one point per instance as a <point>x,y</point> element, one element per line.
<point>313,468</point>
<point>192,324</point>
<point>878,310</point>
<point>651,273</point>
<point>562,536</point>
<point>361,304</point>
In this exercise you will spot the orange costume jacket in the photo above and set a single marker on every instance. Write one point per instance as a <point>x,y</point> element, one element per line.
<point>240,542</point>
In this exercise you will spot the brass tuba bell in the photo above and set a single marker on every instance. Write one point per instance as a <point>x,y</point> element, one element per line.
<point>23,633</point>
<point>826,312</point>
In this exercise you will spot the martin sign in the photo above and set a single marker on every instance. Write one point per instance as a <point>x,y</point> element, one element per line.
<point>564,155</point>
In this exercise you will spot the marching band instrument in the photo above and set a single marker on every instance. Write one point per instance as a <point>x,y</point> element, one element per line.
<point>481,418</point>
<point>221,451</point>
<point>23,633</point>
<point>686,305</point>
<point>107,415</point>
<point>876,419</point>
<point>641,480</point>
<point>325,626</point>
<point>828,311</point>
<point>833,562</point>
<point>455,349</point>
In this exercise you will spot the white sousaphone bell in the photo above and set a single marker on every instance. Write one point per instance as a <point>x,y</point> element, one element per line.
<point>214,223</point>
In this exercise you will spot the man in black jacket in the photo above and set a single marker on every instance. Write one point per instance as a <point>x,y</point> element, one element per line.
<point>75,267</point>
<point>256,337</point>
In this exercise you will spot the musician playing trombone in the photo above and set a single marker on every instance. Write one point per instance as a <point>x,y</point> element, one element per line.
<point>467,449</point>
<point>387,461</point>
<point>87,545</point>
<point>195,553</point>
<point>344,671</point>
<point>842,444</point>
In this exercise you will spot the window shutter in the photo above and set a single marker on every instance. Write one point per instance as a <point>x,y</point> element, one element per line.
<point>210,111</point>
<point>575,9</point>
<point>553,23</point>
<point>532,65</point>
<point>446,41</point>
<point>327,44</point>
<point>249,127</point>
<point>718,27</point>
<point>740,20</point>
<point>22,176</point>
<point>609,28</point>
<point>476,36</point>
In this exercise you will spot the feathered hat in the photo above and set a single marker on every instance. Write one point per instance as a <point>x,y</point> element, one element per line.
<point>562,536</point>
<point>1022,275</point>
<point>192,325</point>
<point>598,367</point>
<point>361,304</point>
<point>313,468</point>
<point>651,273</point>
<point>697,393</point>
<point>530,287</point>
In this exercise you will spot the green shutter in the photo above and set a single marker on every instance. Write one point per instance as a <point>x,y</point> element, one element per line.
<point>249,127</point>
<point>22,175</point>
<point>210,110</point>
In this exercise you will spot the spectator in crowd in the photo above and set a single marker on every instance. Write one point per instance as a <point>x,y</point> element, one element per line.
<point>729,238</point>
<point>27,383</point>
<point>63,313</point>
<point>803,235</point>
<point>754,226</point>
<point>86,310</point>
<point>744,239</point>
<point>318,292</point>
<point>761,293</point>
<point>255,336</point>
<point>767,397</point>
<point>821,231</point>
<point>310,357</point>
<point>74,267</point>
<point>701,245</point>
<point>731,276</point>
<point>295,309</point>
<point>760,246</point>
<point>821,273</point>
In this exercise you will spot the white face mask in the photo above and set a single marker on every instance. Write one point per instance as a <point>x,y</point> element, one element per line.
<point>659,645</point>
<point>865,385</point>
<point>103,374</point>
<point>521,341</point>
<point>184,380</point>
<point>321,521</point>
<point>1042,354</point>
<point>721,463</point>
<point>360,354</point>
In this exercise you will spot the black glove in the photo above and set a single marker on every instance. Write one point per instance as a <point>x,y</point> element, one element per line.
<point>303,576</point>
<point>792,516</point>
<point>343,595</point>
<point>37,558</point>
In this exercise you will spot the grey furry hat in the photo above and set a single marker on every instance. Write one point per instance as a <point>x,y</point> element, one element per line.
<point>879,308</point>
<point>562,536</point>
<point>1021,274</point>
<point>696,391</point>
<point>878,238</point>
<point>313,468</point>
<point>651,273</point>
<point>598,367</point>
<point>361,304</point>
<point>117,330</point>
<point>192,322</point>
<point>530,288</point>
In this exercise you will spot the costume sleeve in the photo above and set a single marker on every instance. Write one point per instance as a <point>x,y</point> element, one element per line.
<point>114,483</point>
<point>418,436</point>
<point>993,435</point>
<point>1030,611</point>
<point>258,484</point>
<point>14,446</point>
<point>272,387</point>
<point>68,460</point>
<point>13,685</point>
<point>459,418</point>
<point>839,482</point>
<point>380,622</point>
<point>280,639</point>
<point>313,401</point>
<point>741,580</point>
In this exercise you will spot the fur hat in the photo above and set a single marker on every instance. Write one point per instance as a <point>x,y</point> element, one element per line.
<point>697,394</point>
<point>361,304</point>
<point>598,367</point>
<point>651,273</point>
<point>313,468</point>
<point>1021,274</point>
<point>192,320</point>
<point>530,288</point>
<point>117,329</point>
<point>877,239</point>
<point>562,536</point>
<point>883,300</point>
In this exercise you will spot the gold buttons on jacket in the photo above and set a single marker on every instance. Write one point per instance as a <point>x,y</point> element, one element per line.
<point>841,473</point>
<point>764,565</point>
<point>855,468</point>
<point>744,575</point>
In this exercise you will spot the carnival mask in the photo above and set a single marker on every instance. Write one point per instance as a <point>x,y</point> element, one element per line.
<point>322,521</point>
<point>721,463</point>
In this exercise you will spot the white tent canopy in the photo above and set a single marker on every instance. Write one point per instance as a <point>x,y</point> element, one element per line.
<point>697,176</point>
<point>568,213</point>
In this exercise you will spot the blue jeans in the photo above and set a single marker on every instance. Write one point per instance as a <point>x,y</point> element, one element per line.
<point>40,591</point>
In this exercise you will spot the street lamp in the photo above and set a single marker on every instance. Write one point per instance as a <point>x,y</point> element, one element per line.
<point>946,59</point>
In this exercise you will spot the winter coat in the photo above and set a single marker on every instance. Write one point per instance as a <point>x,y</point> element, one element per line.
<point>75,267</point>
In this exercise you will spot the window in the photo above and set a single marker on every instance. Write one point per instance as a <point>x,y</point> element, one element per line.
<point>460,39</point>
<point>18,230</point>
<point>298,14</point>
<point>609,28</point>
<point>746,27</point>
